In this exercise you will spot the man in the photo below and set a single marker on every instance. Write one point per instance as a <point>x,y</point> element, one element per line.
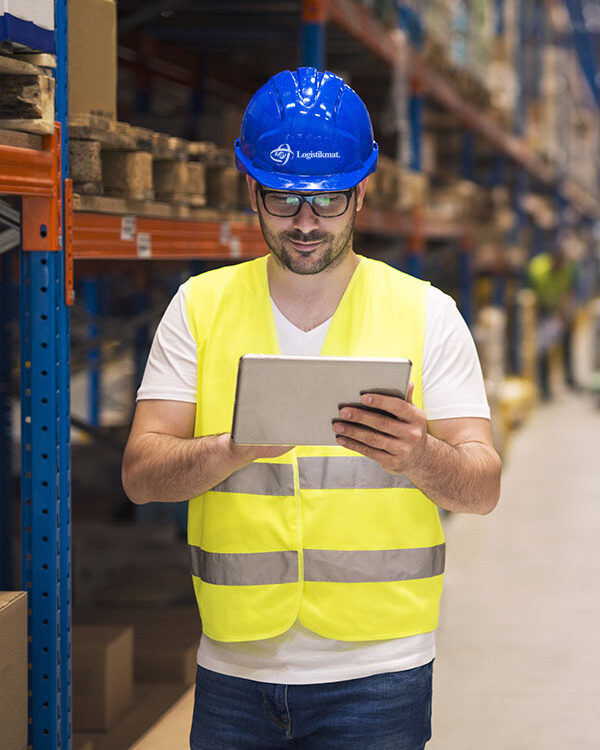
<point>318,571</point>
<point>553,278</point>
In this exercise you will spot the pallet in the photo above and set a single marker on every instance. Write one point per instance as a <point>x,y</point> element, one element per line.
<point>123,161</point>
<point>26,97</point>
<point>120,160</point>
<point>105,204</point>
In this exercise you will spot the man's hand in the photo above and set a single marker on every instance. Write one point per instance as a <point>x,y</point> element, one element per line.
<point>396,440</point>
<point>164,462</point>
<point>452,461</point>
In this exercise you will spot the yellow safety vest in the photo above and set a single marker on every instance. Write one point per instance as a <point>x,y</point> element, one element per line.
<point>550,284</point>
<point>322,534</point>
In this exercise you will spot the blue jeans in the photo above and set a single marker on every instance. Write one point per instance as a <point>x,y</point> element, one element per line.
<point>389,711</point>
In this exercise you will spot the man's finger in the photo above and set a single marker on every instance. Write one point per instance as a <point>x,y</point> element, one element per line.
<point>394,405</point>
<point>386,423</point>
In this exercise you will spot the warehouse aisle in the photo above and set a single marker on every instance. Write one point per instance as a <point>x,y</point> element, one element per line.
<point>519,645</point>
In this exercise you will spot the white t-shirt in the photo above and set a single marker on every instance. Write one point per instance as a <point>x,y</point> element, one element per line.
<point>452,387</point>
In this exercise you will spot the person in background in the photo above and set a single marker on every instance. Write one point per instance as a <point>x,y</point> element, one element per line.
<point>318,570</point>
<point>553,278</point>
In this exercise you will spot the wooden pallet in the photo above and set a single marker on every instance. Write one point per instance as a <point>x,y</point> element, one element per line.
<point>26,96</point>
<point>123,161</point>
<point>105,204</point>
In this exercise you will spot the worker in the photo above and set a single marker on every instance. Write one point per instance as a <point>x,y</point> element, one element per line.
<point>318,571</point>
<point>553,278</point>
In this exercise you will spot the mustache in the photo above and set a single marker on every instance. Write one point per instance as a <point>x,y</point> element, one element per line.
<point>298,236</point>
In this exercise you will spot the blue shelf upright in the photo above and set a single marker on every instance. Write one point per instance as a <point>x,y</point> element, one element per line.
<point>6,496</point>
<point>45,430</point>
<point>312,34</point>
<point>410,22</point>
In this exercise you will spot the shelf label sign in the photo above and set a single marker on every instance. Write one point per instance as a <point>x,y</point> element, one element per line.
<point>235,247</point>
<point>128,228</point>
<point>144,245</point>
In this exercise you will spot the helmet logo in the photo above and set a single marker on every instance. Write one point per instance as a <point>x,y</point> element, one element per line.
<point>281,155</point>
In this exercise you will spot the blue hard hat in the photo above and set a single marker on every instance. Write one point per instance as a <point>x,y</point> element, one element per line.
<point>306,130</point>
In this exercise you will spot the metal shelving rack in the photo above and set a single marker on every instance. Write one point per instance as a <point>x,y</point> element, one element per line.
<point>38,179</point>
<point>48,227</point>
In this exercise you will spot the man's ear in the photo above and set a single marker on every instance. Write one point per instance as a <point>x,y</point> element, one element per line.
<point>361,190</point>
<point>252,191</point>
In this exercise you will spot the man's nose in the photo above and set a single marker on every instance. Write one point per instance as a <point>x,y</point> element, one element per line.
<point>306,219</point>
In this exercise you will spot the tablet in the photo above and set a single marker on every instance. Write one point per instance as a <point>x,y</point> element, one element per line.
<point>282,400</point>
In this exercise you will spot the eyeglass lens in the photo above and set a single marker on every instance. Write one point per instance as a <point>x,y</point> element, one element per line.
<point>323,204</point>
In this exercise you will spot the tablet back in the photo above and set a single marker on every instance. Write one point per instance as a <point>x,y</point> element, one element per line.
<point>282,400</point>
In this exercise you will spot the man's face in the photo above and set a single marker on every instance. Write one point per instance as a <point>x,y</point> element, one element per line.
<point>307,243</point>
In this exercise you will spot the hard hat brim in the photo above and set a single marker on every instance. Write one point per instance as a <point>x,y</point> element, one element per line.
<point>300,183</point>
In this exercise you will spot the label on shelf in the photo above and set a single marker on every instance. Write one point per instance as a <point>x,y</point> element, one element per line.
<point>128,228</point>
<point>144,245</point>
<point>236,247</point>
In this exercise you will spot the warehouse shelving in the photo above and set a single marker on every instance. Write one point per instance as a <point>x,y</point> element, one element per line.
<point>51,232</point>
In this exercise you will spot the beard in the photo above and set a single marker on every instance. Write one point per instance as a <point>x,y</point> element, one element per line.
<point>332,250</point>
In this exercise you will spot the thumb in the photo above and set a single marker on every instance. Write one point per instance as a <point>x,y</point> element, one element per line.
<point>409,393</point>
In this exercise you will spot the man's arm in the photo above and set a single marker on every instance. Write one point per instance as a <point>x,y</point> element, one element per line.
<point>452,461</point>
<point>163,462</point>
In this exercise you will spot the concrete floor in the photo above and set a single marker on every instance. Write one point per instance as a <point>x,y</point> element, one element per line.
<point>518,665</point>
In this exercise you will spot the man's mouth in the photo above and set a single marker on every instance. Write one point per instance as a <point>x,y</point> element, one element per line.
<point>305,244</point>
<point>305,247</point>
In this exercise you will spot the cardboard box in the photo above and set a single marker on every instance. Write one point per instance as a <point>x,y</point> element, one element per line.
<point>172,729</point>
<point>166,659</point>
<point>93,57</point>
<point>150,703</point>
<point>29,23</point>
<point>165,639</point>
<point>82,741</point>
<point>13,670</point>
<point>102,675</point>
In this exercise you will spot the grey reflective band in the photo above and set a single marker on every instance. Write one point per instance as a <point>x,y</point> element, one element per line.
<point>373,566</point>
<point>246,569</point>
<point>260,479</point>
<point>334,566</point>
<point>347,472</point>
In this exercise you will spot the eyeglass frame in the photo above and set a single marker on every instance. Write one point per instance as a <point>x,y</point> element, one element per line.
<point>304,199</point>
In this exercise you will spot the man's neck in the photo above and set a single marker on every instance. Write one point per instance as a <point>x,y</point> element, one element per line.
<point>307,300</point>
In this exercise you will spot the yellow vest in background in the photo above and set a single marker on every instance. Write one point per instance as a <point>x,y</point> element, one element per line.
<point>551,285</point>
<point>321,534</point>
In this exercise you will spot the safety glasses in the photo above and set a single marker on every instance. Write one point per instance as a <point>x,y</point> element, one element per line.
<point>325,205</point>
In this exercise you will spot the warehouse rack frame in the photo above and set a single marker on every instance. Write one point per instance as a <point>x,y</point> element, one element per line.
<point>50,234</point>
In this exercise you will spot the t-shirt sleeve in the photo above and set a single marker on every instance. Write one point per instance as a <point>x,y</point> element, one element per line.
<point>452,379</point>
<point>171,370</point>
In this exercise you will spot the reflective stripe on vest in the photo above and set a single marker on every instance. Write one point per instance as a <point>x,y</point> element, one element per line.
<point>347,472</point>
<point>315,473</point>
<point>260,479</point>
<point>333,566</point>
<point>246,569</point>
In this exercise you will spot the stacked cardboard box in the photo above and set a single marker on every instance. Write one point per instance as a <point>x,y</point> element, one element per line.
<point>165,638</point>
<point>13,670</point>
<point>102,675</point>
<point>93,57</point>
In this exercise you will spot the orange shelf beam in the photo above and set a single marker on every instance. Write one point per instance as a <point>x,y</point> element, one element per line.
<point>25,171</point>
<point>388,222</point>
<point>35,176</point>
<point>100,235</point>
